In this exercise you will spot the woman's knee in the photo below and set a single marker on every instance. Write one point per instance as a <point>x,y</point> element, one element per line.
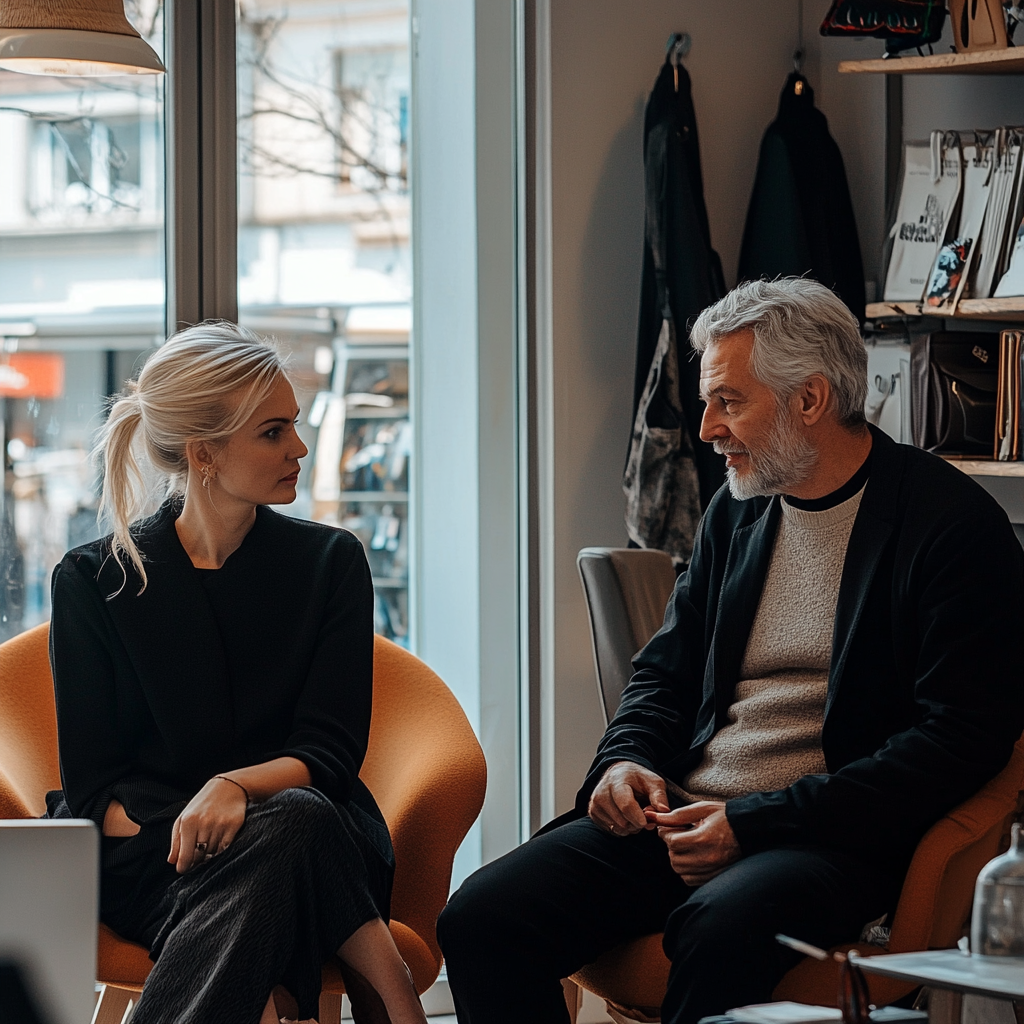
<point>296,816</point>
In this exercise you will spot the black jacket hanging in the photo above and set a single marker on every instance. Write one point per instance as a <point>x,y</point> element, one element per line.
<point>800,219</point>
<point>682,275</point>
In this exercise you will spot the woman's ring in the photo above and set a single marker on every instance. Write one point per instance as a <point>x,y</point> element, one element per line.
<point>201,849</point>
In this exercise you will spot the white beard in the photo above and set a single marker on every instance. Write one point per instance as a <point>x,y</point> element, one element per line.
<point>781,463</point>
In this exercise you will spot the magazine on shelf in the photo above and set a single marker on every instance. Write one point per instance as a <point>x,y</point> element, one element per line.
<point>1004,200</point>
<point>928,199</point>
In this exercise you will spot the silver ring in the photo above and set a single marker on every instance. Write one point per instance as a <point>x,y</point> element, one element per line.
<point>201,849</point>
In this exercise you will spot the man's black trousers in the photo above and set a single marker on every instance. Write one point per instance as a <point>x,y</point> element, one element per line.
<point>541,912</point>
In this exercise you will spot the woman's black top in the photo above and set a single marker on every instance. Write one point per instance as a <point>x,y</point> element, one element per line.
<point>207,671</point>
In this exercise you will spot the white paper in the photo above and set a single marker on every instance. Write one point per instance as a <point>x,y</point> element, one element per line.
<point>922,221</point>
<point>977,186</point>
<point>1012,282</point>
<point>994,227</point>
<point>785,1013</point>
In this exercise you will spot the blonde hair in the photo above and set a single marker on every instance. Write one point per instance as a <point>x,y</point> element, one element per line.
<point>201,385</point>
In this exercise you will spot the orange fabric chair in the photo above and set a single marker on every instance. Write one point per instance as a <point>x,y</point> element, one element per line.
<point>423,765</point>
<point>933,908</point>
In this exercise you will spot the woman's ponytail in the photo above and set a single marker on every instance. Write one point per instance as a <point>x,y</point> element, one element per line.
<point>123,495</point>
<point>201,385</point>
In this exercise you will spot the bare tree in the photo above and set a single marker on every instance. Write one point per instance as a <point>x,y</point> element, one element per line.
<point>356,120</point>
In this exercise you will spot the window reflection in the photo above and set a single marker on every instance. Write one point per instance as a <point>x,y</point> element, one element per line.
<point>81,298</point>
<point>324,264</point>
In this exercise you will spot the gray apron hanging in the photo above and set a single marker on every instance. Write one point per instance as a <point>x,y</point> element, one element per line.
<point>660,482</point>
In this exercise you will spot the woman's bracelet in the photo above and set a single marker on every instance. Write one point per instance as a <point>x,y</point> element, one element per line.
<point>248,799</point>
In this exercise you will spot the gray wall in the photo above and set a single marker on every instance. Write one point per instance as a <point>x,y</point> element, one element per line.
<point>605,55</point>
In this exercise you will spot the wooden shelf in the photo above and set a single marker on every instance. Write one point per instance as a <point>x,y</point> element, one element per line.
<point>987,62</point>
<point>1008,309</point>
<point>985,467</point>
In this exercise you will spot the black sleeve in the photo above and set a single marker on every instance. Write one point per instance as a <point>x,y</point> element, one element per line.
<point>969,692</point>
<point>92,759</point>
<point>331,724</point>
<point>659,707</point>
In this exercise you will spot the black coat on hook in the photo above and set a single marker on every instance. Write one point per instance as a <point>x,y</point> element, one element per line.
<point>800,220</point>
<point>682,274</point>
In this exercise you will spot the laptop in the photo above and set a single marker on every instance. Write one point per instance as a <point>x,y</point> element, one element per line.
<point>49,906</point>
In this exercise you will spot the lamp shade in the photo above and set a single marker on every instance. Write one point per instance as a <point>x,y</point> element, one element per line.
<point>83,38</point>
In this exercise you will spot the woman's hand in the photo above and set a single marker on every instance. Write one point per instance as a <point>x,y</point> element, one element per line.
<point>208,824</point>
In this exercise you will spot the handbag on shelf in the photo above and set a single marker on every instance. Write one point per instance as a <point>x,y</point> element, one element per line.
<point>903,24</point>
<point>954,384</point>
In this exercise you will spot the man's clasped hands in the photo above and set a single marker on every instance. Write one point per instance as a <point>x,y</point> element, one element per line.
<point>630,798</point>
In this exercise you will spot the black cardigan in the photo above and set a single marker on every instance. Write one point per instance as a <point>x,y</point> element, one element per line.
<point>152,700</point>
<point>926,685</point>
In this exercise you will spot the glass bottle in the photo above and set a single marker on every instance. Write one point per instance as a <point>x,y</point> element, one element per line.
<point>997,924</point>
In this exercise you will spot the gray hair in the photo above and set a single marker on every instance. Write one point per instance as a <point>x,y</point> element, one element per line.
<point>800,328</point>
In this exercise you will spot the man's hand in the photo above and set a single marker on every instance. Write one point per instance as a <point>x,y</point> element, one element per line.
<point>700,840</point>
<point>625,792</point>
<point>207,825</point>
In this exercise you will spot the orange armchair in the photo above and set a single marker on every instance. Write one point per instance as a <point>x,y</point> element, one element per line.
<point>423,765</point>
<point>934,906</point>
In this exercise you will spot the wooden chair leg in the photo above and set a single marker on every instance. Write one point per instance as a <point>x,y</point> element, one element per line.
<point>114,1005</point>
<point>330,1008</point>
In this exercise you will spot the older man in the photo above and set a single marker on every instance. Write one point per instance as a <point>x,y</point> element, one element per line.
<point>839,666</point>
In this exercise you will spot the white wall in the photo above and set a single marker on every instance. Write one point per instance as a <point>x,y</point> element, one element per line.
<point>605,56</point>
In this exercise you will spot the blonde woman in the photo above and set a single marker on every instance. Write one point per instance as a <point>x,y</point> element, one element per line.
<point>213,670</point>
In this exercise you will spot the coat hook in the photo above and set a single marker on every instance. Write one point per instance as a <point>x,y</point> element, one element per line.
<point>677,47</point>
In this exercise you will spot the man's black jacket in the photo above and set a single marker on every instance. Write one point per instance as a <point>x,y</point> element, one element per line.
<point>800,220</point>
<point>926,684</point>
<point>681,273</point>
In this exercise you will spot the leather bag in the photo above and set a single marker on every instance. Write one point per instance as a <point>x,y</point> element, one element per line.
<point>954,382</point>
<point>978,25</point>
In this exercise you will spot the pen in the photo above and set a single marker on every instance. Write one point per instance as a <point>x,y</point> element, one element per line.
<point>802,947</point>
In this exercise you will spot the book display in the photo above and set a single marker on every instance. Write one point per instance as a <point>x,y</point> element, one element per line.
<point>364,444</point>
<point>958,221</point>
<point>963,276</point>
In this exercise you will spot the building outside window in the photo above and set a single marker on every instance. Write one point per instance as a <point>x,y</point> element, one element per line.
<point>324,268</point>
<point>81,298</point>
<point>324,259</point>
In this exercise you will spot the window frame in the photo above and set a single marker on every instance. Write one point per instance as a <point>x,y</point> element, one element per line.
<point>468,603</point>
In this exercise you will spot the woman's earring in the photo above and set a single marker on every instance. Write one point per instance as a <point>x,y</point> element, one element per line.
<point>207,473</point>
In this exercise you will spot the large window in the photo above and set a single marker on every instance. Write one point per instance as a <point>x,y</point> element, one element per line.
<point>418,457</point>
<point>81,298</point>
<point>324,265</point>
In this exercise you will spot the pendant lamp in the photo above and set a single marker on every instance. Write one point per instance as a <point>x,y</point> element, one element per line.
<point>81,38</point>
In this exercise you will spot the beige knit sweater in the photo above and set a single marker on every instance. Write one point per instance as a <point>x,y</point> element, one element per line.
<point>773,735</point>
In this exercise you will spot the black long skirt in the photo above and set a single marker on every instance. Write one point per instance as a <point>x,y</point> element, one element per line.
<point>302,875</point>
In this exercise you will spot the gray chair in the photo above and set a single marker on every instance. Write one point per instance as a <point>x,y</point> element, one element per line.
<point>627,590</point>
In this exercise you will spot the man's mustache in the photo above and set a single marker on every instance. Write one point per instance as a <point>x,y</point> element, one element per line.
<point>729,448</point>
